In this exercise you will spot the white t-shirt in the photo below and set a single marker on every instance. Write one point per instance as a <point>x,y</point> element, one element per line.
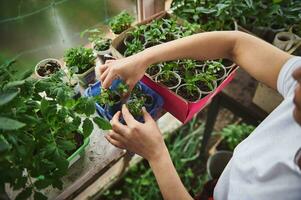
<point>263,165</point>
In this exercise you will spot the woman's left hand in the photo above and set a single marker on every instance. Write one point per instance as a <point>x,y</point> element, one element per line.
<point>144,139</point>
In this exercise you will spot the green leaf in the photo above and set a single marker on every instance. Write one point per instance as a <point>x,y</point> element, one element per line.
<point>39,196</point>
<point>87,127</point>
<point>25,194</point>
<point>10,124</point>
<point>7,96</point>
<point>102,123</point>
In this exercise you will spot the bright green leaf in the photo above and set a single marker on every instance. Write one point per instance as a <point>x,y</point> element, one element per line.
<point>102,123</point>
<point>87,127</point>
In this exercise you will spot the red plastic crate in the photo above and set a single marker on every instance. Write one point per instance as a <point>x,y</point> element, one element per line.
<point>180,108</point>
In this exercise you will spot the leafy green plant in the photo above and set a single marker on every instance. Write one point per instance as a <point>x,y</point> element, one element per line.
<point>234,134</point>
<point>207,78</point>
<point>135,106</point>
<point>41,125</point>
<point>79,59</point>
<point>213,67</point>
<point>133,47</point>
<point>121,22</point>
<point>96,37</point>
<point>219,14</point>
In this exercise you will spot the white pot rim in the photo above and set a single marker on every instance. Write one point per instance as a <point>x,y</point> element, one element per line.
<point>159,65</point>
<point>208,92</point>
<point>221,78</point>
<point>176,75</point>
<point>44,61</point>
<point>200,92</point>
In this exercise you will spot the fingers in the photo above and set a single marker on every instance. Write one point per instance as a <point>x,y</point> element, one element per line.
<point>127,116</point>
<point>147,117</point>
<point>107,81</point>
<point>117,126</point>
<point>104,75</point>
<point>103,68</point>
<point>114,142</point>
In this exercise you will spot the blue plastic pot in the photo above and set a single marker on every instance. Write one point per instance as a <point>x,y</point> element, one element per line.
<point>153,109</point>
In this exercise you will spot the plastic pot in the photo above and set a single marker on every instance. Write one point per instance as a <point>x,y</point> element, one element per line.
<point>174,74</point>
<point>208,91</point>
<point>158,66</point>
<point>86,77</point>
<point>224,72</point>
<point>199,96</point>
<point>79,152</point>
<point>284,40</point>
<point>217,163</point>
<point>43,63</point>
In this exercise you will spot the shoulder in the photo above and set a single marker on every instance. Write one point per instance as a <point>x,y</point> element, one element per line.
<point>285,83</point>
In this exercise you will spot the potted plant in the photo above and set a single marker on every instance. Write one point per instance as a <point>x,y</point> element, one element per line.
<point>233,134</point>
<point>154,70</point>
<point>189,92</point>
<point>134,47</point>
<point>47,67</point>
<point>135,107</point>
<point>41,135</point>
<point>121,22</point>
<point>215,68</point>
<point>206,82</point>
<point>100,44</point>
<point>82,61</point>
<point>169,78</point>
<point>112,98</point>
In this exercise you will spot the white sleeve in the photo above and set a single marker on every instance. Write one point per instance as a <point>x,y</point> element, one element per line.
<point>286,83</point>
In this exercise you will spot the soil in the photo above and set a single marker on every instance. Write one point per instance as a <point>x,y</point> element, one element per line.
<point>170,82</point>
<point>192,97</point>
<point>227,62</point>
<point>153,70</point>
<point>48,68</point>
<point>79,141</point>
<point>202,86</point>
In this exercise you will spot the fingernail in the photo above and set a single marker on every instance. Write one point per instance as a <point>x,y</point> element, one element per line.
<point>143,108</point>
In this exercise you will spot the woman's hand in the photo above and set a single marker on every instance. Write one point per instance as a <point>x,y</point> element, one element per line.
<point>130,69</point>
<point>144,139</point>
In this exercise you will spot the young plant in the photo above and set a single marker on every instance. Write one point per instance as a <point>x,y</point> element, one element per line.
<point>135,106</point>
<point>234,134</point>
<point>202,78</point>
<point>121,22</point>
<point>213,67</point>
<point>79,59</point>
<point>40,127</point>
<point>133,47</point>
<point>96,37</point>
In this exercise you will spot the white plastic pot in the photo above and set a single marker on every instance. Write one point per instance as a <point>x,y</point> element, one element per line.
<point>175,74</point>
<point>42,63</point>
<point>199,91</point>
<point>160,69</point>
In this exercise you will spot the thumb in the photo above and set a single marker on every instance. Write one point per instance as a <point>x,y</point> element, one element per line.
<point>147,117</point>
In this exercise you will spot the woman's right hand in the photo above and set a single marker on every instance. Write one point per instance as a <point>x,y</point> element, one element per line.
<point>130,69</point>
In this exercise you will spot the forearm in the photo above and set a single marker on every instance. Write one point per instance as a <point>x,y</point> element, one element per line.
<point>260,59</point>
<point>168,180</point>
<point>202,46</point>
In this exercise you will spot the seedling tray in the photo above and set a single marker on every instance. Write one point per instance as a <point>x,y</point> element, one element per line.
<point>180,108</point>
<point>154,110</point>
